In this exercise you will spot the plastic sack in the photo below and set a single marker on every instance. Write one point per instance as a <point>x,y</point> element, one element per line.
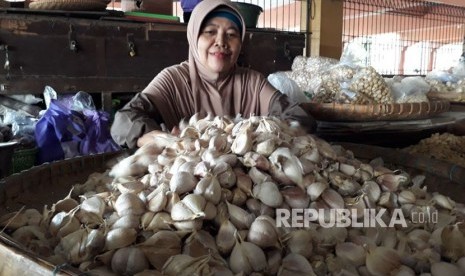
<point>354,55</point>
<point>288,87</point>
<point>28,99</point>
<point>459,70</point>
<point>410,90</point>
<point>441,76</point>
<point>71,126</point>
<point>98,138</point>
<point>59,132</point>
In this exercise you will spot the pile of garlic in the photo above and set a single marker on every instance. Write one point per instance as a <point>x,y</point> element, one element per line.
<point>446,146</point>
<point>204,203</point>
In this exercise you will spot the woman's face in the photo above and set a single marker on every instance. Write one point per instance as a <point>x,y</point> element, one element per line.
<point>219,44</point>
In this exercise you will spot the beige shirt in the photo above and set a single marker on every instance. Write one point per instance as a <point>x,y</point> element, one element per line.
<point>182,90</point>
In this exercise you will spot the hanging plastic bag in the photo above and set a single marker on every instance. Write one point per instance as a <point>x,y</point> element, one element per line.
<point>71,126</point>
<point>287,86</point>
<point>59,132</point>
<point>98,138</point>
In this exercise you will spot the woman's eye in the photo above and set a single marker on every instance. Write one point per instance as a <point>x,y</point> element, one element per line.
<point>209,32</point>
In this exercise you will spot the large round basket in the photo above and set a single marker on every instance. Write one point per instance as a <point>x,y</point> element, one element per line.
<point>69,5</point>
<point>375,112</point>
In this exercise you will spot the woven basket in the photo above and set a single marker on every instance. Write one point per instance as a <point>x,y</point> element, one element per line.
<point>69,5</point>
<point>376,112</point>
<point>447,96</point>
<point>43,185</point>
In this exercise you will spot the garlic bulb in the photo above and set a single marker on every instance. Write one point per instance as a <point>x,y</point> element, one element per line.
<point>161,246</point>
<point>119,238</point>
<point>299,242</point>
<point>129,204</point>
<point>129,261</point>
<point>239,217</point>
<point>443,268</point>
<point>183,182</point>
<point>295,264</point>
<point>382,261</point>
<point>209,187</point>
<point>268,193</point>
<point>247,257</point>
<point>199,243</point>
<point>226,239</point>
<point>263,232</point>
<point>351,252</point>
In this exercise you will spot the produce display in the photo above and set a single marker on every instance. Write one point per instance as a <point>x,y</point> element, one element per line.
<point>446,147</point>
<point>209,202</point>
<point>440,86</point>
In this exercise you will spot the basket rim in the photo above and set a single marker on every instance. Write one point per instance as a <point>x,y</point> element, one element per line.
<point>375,112</point>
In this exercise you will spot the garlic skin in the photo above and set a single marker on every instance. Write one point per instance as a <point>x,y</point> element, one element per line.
<point>161,246</point>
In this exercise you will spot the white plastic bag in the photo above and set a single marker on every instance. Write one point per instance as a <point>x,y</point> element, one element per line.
<point>410,89</point>
<point>288,87</point>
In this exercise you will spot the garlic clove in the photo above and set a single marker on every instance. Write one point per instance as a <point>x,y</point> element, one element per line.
<point>295,197</point>
<point>263,232</point>
<point>119,238</point>
<point>382,261</point>
<point>183,182</point>
<point>209,187</point>
<point>247,257</point>
<point>129,261</point>
<point>225,239</point>
<point>268,193</point>
<point>239,217</point>
<point>295,264</point>
<point>443,268</point>
<point>315,189</point>
<point>351,252</point>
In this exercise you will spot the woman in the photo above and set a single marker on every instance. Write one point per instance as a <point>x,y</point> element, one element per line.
<point>209,82</point>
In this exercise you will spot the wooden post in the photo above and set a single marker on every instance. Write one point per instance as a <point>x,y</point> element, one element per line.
<point>326,28</point>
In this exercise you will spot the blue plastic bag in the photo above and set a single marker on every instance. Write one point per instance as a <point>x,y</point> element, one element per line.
<point>59,132</point>
<point>98,138</point>
<point>71,126</point>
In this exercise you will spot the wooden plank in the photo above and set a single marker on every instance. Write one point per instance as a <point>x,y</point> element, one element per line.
<point>39,53</point>
<point>18,261</point>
